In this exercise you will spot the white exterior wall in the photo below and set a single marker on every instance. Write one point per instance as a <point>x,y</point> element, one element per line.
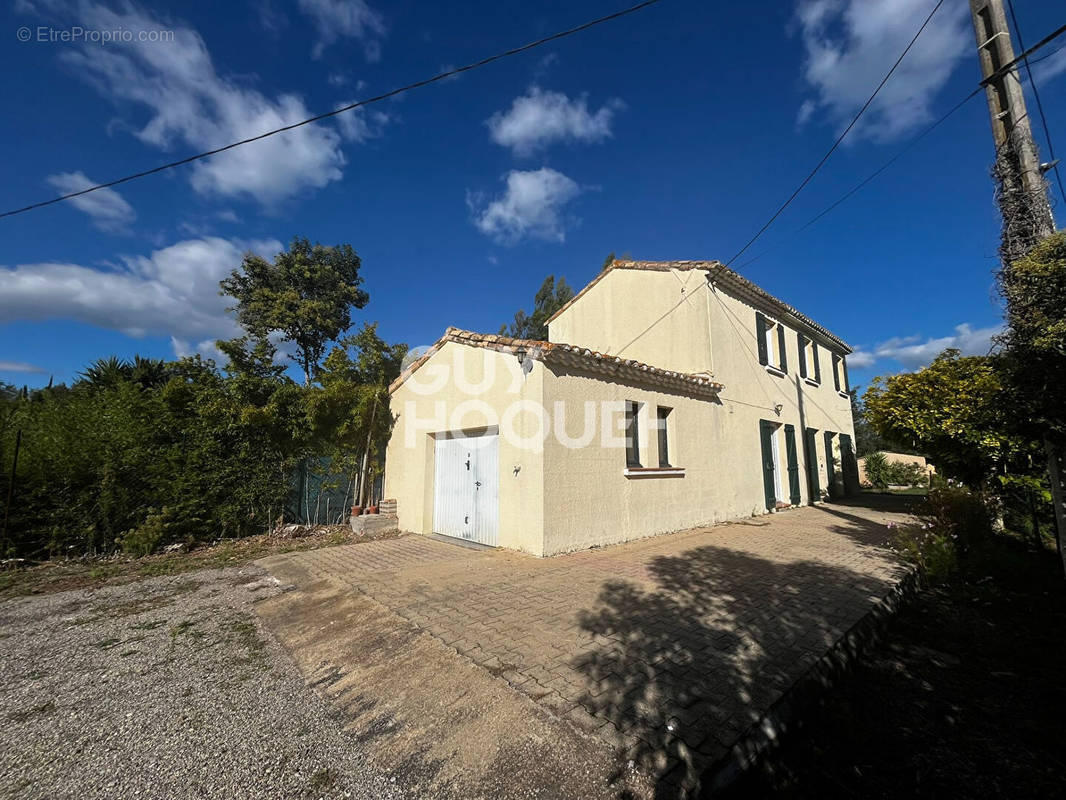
<point>490,384</point>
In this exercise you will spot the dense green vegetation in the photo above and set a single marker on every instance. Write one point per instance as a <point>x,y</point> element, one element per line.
<point>988,422</point>
<point>137,455</point>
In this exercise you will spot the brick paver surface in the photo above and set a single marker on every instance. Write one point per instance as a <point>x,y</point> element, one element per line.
<point>669,647</point>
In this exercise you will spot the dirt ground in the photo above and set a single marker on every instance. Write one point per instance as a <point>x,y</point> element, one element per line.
<point>65,574</point>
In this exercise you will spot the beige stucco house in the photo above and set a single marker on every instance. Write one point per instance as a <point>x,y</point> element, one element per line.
<point>668,395</point>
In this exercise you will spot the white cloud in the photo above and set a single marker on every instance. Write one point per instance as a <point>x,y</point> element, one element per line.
<point>191,107</point>
<point>913,352</point>
<point>540,118</point>
<point>1050,67</point>
<point>851,44</point>
<point>20,366</point>
<point>172,292</point>
<point>359,124</point>
<point>354,19</point>
<point>108,209</point>
<point>532,206</point>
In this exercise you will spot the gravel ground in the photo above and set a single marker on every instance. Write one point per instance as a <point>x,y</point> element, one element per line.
<point>165,688</point>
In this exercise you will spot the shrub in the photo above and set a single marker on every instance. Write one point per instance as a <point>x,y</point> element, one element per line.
<point>906,474</point>
<point>953,522</point>
<point>876,466</point>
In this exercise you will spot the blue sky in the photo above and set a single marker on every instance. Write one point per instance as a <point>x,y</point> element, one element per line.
<point>670,134</point>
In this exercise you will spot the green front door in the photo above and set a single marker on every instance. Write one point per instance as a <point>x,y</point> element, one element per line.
<point>810,456</point>
<point>766,436</point>
<point>793,465</point>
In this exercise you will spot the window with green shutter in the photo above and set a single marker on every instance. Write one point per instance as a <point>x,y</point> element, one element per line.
<point>771,340</point>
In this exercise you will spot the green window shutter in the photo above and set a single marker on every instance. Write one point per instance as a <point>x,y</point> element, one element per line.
<point>836,372</point>
<point>844,365</point>
<point>766,433</point>
<point>793,465</point>
<point>781,345</point>
<point>801,340</point>
<point>810,455</point>
<point>760,335</point>
<point>830,468</point>
<point>817,362</point>
<point>849,465</point>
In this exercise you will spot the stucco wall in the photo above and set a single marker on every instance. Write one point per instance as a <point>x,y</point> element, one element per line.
<point>623,314</point>
<point>469,388</point>
<point>588,498</point>
<point>555,498</point>
<point>672,319</point>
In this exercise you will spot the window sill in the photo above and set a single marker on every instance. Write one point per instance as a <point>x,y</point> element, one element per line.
<point>842,393</point>
<point>812,383</point>
<point>654,472</point>
<point>775,371</point>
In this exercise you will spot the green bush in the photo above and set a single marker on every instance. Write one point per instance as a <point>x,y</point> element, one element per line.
<point>876,466</point>
<point>954,522</point>
<point>906,474</point>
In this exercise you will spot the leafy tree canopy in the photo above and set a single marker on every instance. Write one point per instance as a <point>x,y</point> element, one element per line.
<point>1035,291</point>
<point>550,298</point>
<point>955,411</point>
<point>305,297</point>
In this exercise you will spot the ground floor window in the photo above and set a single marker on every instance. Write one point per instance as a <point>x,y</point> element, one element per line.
<point>662,421</point>
<point>632,433</point>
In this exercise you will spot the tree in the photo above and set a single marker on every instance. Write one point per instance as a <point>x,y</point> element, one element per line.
<point>1034,288</point>
<point>955,411</point>
<point>867,439</point>
<point>1035,340</point>
<point>351,410</point>
<point>305,297</point>
<point>549,298</point>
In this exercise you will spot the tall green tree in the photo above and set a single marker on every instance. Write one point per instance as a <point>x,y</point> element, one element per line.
<point>1034,288</point>
<point>956,411</point>
<point>305,297</point>
<point>550,297</point>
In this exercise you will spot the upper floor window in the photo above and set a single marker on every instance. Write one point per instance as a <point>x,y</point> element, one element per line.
<point>840,374</point>
<point>771,340</point>
<point>809,363</point>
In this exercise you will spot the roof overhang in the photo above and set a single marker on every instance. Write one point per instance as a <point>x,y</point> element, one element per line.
<point>573,357</point>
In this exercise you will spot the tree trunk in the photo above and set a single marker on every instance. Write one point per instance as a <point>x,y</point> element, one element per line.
<point>1058,496</point>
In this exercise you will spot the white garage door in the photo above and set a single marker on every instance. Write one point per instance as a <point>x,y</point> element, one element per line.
<point>466,487</point>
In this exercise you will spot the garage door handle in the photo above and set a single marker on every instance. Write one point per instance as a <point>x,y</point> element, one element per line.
<point>477,484</point>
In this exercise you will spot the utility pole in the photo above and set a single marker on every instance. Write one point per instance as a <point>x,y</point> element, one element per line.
<point>1021,191</point>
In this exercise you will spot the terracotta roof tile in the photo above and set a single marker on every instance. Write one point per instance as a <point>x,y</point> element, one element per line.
<point>569,355</point>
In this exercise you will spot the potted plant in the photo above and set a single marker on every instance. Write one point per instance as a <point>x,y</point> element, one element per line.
<point>357,510</point>
<point>372,508</point>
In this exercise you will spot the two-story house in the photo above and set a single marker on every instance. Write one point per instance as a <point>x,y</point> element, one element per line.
<point>668,395</point>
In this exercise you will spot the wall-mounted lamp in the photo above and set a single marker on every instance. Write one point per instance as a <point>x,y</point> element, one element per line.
<point>778,407</point>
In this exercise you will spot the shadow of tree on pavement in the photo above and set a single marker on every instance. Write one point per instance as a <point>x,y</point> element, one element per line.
<point>682,668</point>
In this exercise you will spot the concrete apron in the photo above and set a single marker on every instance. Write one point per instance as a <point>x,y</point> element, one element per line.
<point>438,723</point>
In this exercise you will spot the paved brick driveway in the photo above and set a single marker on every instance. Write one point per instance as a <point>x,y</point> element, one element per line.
<point>668,647</point>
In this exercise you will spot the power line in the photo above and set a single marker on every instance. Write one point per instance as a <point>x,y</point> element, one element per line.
<point>899,154</point>
<point>1039,105</point>
<point>839,139</point>
<point>1001,71</point>
<point>318,117</point>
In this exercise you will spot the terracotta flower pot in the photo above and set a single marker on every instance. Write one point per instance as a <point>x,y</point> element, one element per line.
<point>371,509</point>
<point>357,510</point>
